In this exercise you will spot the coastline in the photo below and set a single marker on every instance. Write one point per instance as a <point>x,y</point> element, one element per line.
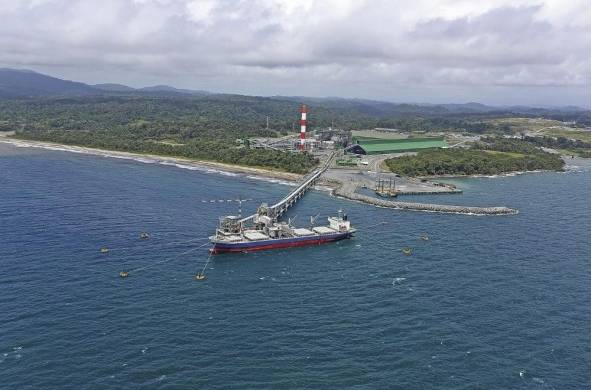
<point>335,187</point>
<point>479,176</point>
<point>228,169</point>
<point>206,166</point>
<point>568,165</point>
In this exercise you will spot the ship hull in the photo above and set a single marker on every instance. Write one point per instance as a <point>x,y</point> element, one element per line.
<point>254,246</point>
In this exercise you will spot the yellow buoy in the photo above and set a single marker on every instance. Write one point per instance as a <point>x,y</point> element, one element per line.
<point>123,274</point>
<point>407,251</point>
<point>200,276</point>
<point>104,249</point>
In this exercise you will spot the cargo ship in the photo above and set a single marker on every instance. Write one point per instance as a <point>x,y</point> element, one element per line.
<point>267,233</point>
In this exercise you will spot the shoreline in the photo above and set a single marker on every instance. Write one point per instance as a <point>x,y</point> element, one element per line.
<point>567,164</point>
<point>335,187</point>
<point>222,168</point>
<point>180,162</point>
<point>504,174</point>
<point>481,176</point>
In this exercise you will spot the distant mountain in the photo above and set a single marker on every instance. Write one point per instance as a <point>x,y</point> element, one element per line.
<point>109,87</point>
<point>26,83</point>
<point>166,89</point>
<point>17,83</point>
<point>160,88</point>
<point>567,108</point>
<point>470,107</point>
<point>381,109</point>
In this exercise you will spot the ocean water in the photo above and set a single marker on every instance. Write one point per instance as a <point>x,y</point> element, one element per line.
<point>488,302</point>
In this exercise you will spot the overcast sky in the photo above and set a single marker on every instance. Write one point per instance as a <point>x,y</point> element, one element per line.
<point>535,52</point>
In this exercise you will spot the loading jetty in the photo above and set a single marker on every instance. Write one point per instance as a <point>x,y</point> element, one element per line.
<point>307,183</point>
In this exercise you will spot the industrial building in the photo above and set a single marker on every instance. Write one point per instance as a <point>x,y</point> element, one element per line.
<point>321,140</point>
<point>364,145</point>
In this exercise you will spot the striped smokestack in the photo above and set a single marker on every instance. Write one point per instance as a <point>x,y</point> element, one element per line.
<point>303,124</point>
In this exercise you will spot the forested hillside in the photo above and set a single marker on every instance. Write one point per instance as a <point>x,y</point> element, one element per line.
<point>207,126</point>
<point>492,156</point>
<point>223,116</point>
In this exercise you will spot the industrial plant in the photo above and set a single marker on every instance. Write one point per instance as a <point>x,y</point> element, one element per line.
<point>321,140</point>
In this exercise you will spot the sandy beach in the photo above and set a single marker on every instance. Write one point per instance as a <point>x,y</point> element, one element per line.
<point>208,166</point>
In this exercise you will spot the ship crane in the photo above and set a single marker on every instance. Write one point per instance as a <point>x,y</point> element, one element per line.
<point>313,220</point>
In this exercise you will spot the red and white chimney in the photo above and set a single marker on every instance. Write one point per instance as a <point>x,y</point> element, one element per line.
<point>303,124</point>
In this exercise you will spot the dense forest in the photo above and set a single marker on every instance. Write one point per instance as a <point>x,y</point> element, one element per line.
<point>490,157</point>
<point>224,116</point>
<point>216,116</point>
<point>205,129</point>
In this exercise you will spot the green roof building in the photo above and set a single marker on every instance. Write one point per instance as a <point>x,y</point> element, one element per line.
<point>364,145</point>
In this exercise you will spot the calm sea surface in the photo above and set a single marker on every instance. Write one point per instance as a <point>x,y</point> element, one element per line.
<point>487,302</point>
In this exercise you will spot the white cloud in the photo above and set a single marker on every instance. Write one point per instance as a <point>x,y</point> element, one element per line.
<point>322,47</point>
<point>201,10</point>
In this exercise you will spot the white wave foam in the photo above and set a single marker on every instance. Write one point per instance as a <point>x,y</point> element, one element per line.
<point>272,180</point>
<point>189,167</point>
<point>145,161</point>
<point>577,168</point>
<point>225,173</point>
<point>323,188</point>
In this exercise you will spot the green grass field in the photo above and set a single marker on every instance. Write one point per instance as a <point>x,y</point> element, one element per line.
<point>518,125</point>
<point>508,154</point>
